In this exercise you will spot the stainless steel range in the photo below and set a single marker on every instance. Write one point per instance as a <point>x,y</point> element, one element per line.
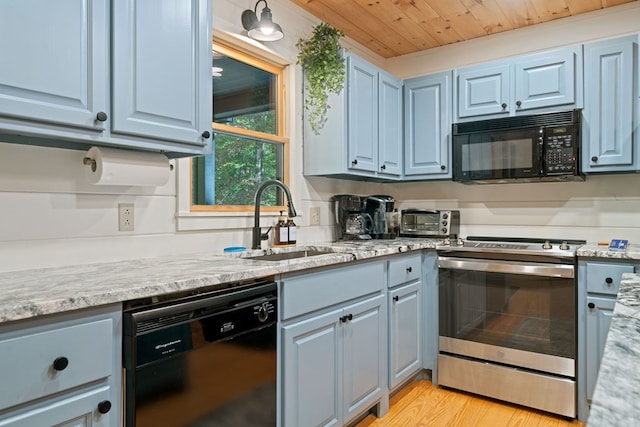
<point>507,326</point>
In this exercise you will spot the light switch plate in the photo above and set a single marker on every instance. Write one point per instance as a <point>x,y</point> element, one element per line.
<point>314,216</point>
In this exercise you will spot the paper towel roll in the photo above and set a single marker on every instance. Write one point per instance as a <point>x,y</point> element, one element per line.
<point>126,167</point>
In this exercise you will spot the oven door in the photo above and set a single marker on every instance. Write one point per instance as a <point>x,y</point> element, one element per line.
<point>521,314</point>
<point>497,154</point>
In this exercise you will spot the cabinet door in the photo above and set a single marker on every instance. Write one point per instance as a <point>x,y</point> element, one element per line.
<point>546,80</point>
<point>405,332</point>
<point>610,75</point>
<point>599,313</point>
<point>483,90</point>
<point>364,355</point>
<point>310,371</point>
<point>54,61</point>
<point>390,118</point>
<point>78,410</point>
<point>161,87</point>
<point>427,106</point>
<point>362,116</point>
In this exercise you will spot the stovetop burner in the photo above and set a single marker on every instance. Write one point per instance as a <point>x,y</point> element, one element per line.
<point>562,248</point>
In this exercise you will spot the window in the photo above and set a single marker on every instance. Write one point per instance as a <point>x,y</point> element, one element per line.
<point>248,128</point>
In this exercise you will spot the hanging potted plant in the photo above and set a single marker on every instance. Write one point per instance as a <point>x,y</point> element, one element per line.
<point>324,70</point>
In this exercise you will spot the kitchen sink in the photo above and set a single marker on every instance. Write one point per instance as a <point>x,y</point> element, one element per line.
<point>283,256</point>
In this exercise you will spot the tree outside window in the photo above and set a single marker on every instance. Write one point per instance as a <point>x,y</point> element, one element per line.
<point>249,146</point>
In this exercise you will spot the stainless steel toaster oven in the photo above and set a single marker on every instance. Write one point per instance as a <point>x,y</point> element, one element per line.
<point>430,223</point>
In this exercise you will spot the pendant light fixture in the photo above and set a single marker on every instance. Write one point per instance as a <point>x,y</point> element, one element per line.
<point>264,30</point>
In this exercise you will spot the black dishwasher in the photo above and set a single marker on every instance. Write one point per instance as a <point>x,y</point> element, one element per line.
<point>206,360</point>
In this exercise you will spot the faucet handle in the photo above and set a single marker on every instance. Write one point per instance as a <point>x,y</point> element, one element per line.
<point>265,235</point>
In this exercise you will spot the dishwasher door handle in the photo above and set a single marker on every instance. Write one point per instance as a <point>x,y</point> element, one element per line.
<point>565,271</point>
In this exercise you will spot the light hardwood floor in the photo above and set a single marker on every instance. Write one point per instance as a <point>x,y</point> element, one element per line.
<point>421,404</point>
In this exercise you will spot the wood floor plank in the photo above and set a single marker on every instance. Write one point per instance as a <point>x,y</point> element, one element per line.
<point>421,404</point>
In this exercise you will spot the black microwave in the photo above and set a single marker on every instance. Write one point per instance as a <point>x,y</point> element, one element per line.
<point>541,147</point>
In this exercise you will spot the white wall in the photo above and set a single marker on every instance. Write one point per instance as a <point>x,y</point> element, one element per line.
<point>50,216</point>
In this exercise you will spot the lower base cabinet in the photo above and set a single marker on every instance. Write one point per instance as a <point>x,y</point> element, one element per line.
<point>78,411</point>
<point>598,286</point>
<point>405,333</point>
<point>405,317</point>
<point>598,319</point>
<point>332,364</point>
<point>63,369</point>
<point>333,340</point>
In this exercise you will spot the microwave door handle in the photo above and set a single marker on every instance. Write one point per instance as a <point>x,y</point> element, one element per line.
<point>541,164</point>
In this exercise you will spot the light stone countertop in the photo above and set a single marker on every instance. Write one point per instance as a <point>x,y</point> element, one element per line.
<point>30,293</point>
<point>616,399</point>
<point>596,251</point>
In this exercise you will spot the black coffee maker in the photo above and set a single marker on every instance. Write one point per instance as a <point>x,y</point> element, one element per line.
<point>381,210</point>
<point>351,223</point>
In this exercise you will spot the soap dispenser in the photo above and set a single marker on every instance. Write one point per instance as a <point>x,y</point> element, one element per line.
<point>282,231</point>
<point>293,234</point>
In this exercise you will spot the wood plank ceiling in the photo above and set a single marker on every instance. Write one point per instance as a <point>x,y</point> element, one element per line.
<point>398,27</point>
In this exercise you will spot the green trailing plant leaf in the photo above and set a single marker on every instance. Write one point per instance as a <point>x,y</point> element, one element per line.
<point>324,69</point>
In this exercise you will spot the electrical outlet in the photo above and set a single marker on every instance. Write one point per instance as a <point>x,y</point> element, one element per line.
<point>125,217</point>
<point>314,216</point>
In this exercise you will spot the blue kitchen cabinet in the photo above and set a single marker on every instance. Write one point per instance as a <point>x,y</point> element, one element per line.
<point>430,314</point>
<point>598,285</point>
<point>405,317</point>
<point>54,76</point>
<point>64,369</point>
<point>598,318</point>
<point>312,376</point>
<point>528,84</point>
<point>483,90</point>
<point>362,135</point>
<point>133,74</point>
<point>610,116</point>
<point>362,115</point>
<point>161,83</point>
<point>427,121</point>
<point>363,371</point>
<point>390,125</point>
<point>333,361</point>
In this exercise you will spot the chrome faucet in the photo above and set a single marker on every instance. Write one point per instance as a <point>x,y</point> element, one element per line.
<point>257,234</point>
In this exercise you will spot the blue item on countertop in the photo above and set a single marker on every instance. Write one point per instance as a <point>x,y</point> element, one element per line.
<point>618,245</point>
<point>235,249</point>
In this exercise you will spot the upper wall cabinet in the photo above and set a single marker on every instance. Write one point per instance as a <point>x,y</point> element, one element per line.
<point>362,136</point>
<point>427,109</point>
<point>131,73</point>
<point>610,137</point>
<point>524,85</point>
<point>55,75</point>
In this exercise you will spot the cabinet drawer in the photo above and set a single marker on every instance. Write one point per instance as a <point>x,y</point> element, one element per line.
<point>27,362</point>
<point>77,410</point>
<point>313,291</point>
<point>605,278</point>
<point>404,269</point>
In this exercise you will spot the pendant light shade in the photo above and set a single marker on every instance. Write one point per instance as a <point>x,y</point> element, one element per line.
<point>264,30</point>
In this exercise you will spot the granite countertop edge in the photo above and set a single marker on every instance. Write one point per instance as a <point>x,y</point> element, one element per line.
<point>601,251</point>
<point>30,293</point>
<point>616,398</point>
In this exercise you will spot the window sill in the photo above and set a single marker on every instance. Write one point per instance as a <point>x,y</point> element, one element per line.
<point>198,221</point>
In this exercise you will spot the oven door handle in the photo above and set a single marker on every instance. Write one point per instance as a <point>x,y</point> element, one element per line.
<point>508,267</point>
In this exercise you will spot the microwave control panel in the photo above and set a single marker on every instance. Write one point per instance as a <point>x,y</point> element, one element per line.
<point>560,150</point>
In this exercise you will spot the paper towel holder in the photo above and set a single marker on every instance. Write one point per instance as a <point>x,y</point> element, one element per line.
<point>92,162</point>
